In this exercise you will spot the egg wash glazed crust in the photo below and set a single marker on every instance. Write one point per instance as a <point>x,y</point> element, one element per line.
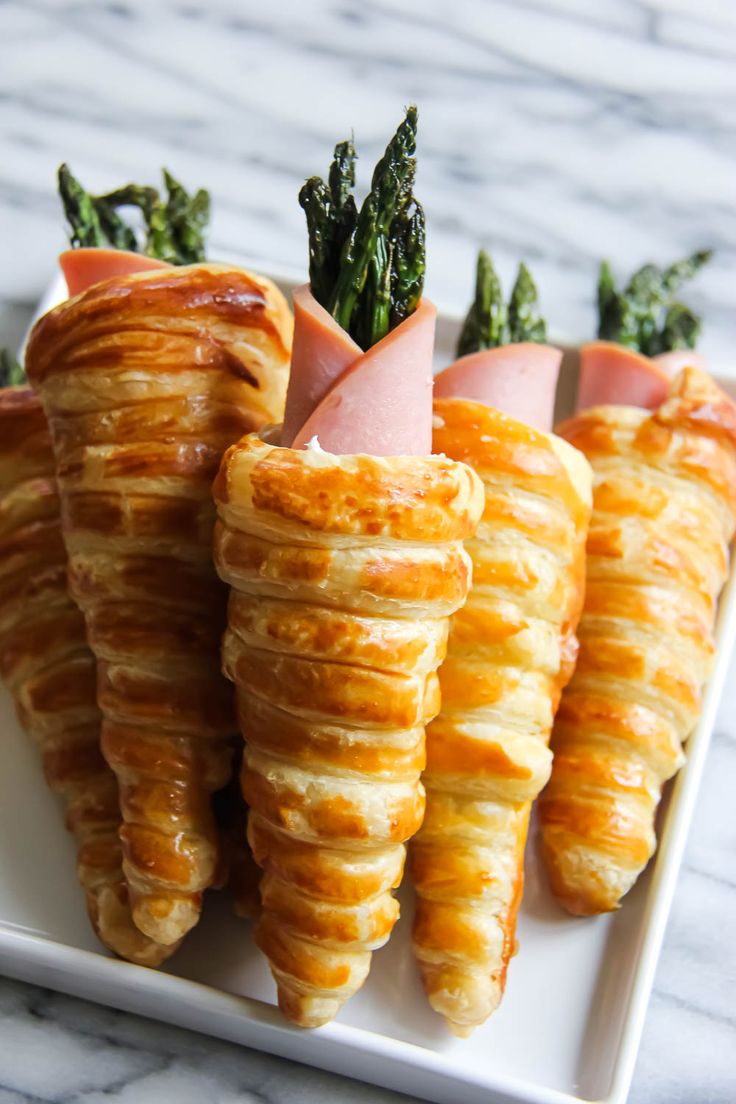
<point>344,571</point>
<point>664,511</point>
<point>50,671</point>
<point>146,379</point>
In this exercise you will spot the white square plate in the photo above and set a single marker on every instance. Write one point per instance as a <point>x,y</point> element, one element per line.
<point>567,1030</point>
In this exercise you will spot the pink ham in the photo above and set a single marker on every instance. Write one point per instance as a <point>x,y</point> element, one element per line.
<point>519,379</point>
<point>321,352</point>
<point>382,403</point>
<point>612,374</point>
<point>84,267</point>
<point>674,361</point>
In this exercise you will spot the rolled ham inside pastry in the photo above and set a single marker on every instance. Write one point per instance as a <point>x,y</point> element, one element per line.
<point>146,379</point>
<point>378,402</point>
<point>50,670</point>
<point>511,649</point>
<point>657,556</point>
<point>613,374</point>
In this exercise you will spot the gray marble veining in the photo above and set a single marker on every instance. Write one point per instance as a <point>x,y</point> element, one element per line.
<point>557,131</point>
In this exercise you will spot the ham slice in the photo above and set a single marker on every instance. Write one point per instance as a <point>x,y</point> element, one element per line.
<point>321,352</point>
<point>613,374</point>
<point>380,402</point>
<point>674,361</point>
<point>84,267</point>
<point>519,379</point>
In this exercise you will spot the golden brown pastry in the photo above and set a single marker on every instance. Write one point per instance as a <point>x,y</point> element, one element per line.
<point>146,379</point>
<point>664,510</point>
<point>344,571</point>
<point>50,671</point>
<point>511,648</point>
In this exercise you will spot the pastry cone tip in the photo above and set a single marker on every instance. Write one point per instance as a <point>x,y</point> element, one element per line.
<point>307,1010</point>
<point>583,884</point>
<point>465,999</point>
<point>113,923</point>
<point>166,919</point>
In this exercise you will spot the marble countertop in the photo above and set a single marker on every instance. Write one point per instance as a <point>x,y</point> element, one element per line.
<point>551,130</point>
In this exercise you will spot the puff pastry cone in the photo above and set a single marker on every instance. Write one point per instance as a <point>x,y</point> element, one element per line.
<point>50,671</point>
<point>511,648</point>
<point>664,511</point>
<point>146,378</point>
<point>344,569</point>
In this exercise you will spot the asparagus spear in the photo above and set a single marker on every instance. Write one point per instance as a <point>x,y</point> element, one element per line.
<point>180,224</point>
<point>408,239</point>
<point>11,371</point>
<point>367,268</point>
<point>484,325</point>
<point>524,324</point>
<point>331,217</point>
<point>314,198</point>
<point>681,328</point>
<point>489,323</point>
<point>83,215</point>
<point>644,316</point>
<point>344,213</point>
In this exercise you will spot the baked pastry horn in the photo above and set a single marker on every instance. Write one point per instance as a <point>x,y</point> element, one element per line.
<point>146,378</point>
<point>345,560</point>
<point>343,569</point>
<point>511,648</point>
<point>50,671</point>
<point>663,516</point>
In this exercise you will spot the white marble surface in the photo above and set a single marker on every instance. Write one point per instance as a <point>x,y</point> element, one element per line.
<point>554,130</point>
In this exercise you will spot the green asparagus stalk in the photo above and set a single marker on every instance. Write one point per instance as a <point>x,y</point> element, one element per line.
<point>83,215</point>
<point>485,322</point>
<point>408,266</point>
<point>314,198</point>
<point>367,267</point>
<point>130,195</point>
<point>176,229</point>
<point>489,323</point>
<point>331,217</point>
<point>524,324</point>
<point>681,328</point>
<point>644,315</point>
<point>12,372</point>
